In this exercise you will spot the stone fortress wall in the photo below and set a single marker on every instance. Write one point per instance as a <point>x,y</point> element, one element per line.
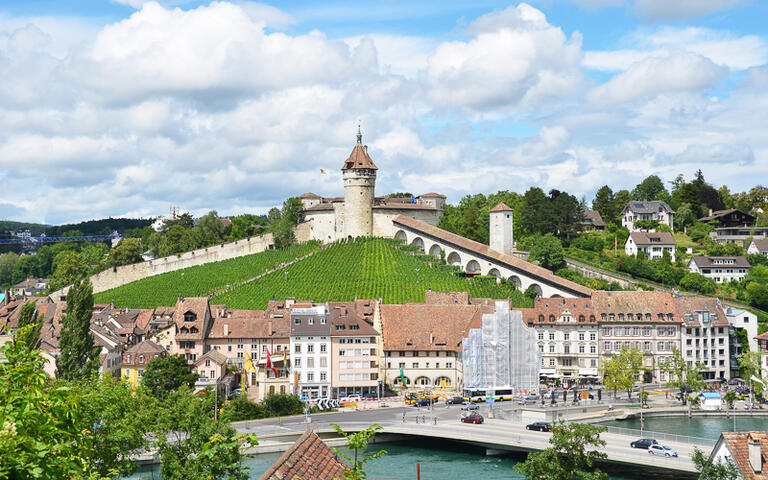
<point>118,276</point>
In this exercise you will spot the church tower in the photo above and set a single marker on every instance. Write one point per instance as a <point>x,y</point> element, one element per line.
<point>359,174</point>
<point>502,221</point>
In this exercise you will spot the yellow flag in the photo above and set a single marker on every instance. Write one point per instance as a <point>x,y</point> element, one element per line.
<point>249,367</point>
<point>322,171</point>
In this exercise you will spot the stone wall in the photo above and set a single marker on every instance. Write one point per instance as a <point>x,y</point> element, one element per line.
<point>118,276</point>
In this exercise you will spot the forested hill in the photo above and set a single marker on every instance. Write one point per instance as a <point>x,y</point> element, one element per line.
<point>35,228</point>
<point>103,226</point>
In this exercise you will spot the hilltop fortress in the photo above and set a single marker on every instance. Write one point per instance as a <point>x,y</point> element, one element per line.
<point>360,213</point>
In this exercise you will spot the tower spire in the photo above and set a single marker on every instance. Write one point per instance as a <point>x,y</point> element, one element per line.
<point>359,135</point>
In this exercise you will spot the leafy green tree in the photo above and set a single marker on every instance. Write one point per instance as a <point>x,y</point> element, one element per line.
<point>28,317</point>
<point>357,442</point>
<point>572,454</point>
<point>698,283</point>
<point>681,375</point>
<point>283,404</point>
<point>730,398</point>
<point>714,470</point>
<point>622,198</point>
<point>535,211</point>
<point>7,264</point>
<point>273,215</point>
<point>758,294</point>
<point>684,217</point>
<point>620,371</point>
<point>126,252</point>
<point>166,374</point>
<point>749,365</point>
<point>40,429</point>
<point>652,188</point>
<point>193,445</point>
<point>69,267</point>
<point>548,250</point>
<point>605,204</point>
<point>293,211</point>
<point>79,359</point>
<point>93,254</point>
<point>647,225</point>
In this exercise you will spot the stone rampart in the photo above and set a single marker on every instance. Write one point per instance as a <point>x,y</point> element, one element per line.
<point>118,276</point>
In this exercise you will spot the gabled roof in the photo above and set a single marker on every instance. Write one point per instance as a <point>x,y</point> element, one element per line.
<point>709,262</point>
<point>309,195</point>
<point>432,194</point>
<point>309,459</point>
<point>419,326</point>
<point>359,159</point>
<point>652,238</point>
<point>214,355</point>
<point>738,446</point>
<point>722,213</point>
<point>501,207</point>
<point>146,347</point>
<point>593,217</point>
<point>689,307</point>
<point>643,303</point>
<point>345,320</point>
<point>557,307</point>
<point>761,244</point>
<point>647,206</point>
<point>198,306</point>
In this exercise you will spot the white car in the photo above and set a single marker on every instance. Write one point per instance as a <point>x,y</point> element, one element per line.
<point>352,398</point>
<point>662,450</point>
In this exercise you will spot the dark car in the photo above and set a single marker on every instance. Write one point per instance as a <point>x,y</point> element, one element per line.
<point>472,417</point>
<point>643,443</point>
<point>422,402</point>
<point>455,401</point>
<point>539,426</point>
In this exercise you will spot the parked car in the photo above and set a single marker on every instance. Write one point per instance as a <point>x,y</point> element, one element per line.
<point>353,398</point>
<point>662,450</point>
<point>531,397</point>
<point>422,402</point>
<point>472,417</point>
<point>539,426</point>
<point>643,443</point>
<point>468,406</point>
<point>455,401</point>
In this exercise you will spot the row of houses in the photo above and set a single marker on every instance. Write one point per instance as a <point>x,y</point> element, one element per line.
<point>359,347</point>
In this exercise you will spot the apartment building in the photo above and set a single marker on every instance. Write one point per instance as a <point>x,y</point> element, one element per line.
<point>647,210</point>
<point>354,359</point>
<point>136,359</point>
<point>705,336</point>
<point>567,334</point>
<point>647,321</point>
<point>310,347</point>
<point>720,269</point>
<point>192,318</point>
<point>652,244</point>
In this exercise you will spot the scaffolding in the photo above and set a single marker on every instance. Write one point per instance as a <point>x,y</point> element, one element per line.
<point>502,354</point>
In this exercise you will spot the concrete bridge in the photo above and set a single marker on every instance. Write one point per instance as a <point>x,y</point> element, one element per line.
<point>475,257</point>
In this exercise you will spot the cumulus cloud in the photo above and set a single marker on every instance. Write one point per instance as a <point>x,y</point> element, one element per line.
<point>661,10</point>
<point>515,58</point>
<point>677,72</point>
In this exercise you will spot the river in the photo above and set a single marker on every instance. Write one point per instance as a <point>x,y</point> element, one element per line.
<point>704,427</point>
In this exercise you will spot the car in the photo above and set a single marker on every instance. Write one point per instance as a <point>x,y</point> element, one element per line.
<point>662,450</point>
<point>455,401</point>
<point>469,406</point>
<point>643,443</point>
<point>531,397</point>
<point>422,402</point>
<point>472,417</point>
<point>539,426</point>
<point>353,398</point>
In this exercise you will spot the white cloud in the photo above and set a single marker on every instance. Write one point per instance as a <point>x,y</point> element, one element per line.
<point>516,58</point>
<point>595,4</point>
<point>677,72</point>
<point>661,10</point>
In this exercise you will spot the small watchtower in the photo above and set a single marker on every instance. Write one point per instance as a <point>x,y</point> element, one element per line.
<point>501,225</point>
<point>359,175</point>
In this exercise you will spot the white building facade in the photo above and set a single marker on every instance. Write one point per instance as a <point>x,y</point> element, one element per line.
<point>652,244</point>
<point>720,269</point>
<point>647,210</point>
<point>310,349</point>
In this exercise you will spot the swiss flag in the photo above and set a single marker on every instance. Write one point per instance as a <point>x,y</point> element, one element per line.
<point>270,365</point>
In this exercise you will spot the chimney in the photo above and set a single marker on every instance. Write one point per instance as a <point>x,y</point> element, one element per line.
<point>431,338</point>
<point>269,328</point>
<point>226,329</point>
<point>755,456</point>
<point>710,212</point>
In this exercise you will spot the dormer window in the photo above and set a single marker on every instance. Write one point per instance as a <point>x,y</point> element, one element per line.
<point>141,358</point>
<point>190,317</point>
<point>551,319</point>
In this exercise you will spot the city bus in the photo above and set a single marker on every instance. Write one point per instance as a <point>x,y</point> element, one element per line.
<point>477,394</point>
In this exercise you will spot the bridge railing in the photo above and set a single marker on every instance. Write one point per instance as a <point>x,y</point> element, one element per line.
<point>660,436</point>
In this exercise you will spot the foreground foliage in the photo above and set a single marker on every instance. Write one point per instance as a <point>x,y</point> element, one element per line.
<point>356,442</point>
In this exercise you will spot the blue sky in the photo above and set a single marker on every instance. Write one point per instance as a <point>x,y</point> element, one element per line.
<point>124,108</point>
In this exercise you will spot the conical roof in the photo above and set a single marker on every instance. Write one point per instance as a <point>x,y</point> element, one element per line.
<point>359,159</point>
<point>501,207</point>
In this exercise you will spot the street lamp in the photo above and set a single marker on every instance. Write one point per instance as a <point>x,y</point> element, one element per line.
<point>417,274</point>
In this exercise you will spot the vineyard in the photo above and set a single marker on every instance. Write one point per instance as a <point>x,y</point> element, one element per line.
<point>364,268</point>
<point>202,280</point>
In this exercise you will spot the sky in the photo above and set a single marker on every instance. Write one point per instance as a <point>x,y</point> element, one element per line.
<point>126,108</point>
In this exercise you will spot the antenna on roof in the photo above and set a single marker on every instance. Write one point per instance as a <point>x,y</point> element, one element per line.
<point>359,134</point>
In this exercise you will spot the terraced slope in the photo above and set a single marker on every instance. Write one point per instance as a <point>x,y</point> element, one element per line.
<point>202,280</point>
<point>363,268</point>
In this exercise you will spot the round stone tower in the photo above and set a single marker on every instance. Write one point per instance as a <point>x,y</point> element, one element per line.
<point>359,174</point>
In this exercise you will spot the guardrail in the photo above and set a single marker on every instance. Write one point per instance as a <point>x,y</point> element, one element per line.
<point>661,436</point>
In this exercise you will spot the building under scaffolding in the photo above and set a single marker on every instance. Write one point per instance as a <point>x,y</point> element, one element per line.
<point>502,354</point>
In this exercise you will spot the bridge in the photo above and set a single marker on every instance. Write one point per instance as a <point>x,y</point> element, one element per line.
<point>496,436</point>
<point>477,258</point>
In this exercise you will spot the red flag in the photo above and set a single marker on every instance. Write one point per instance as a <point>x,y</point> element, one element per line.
<point>270,365</point>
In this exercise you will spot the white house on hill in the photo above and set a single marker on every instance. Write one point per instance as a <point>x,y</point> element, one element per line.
<point>647,210</point>
<point>652,244</point>
<point>758,246</point>
<point>720,269</point>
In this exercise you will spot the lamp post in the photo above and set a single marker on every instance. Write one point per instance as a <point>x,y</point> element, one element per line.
<point>417,274</point>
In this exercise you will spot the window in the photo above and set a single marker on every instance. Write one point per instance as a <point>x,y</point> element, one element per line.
<point>593,336</point>
<point>551,336</point>
<point>566,336</point>
<point>297,348</point>
<point>310,321</point>
<point>593,362</point>
<point>551,348</point>
<point>581,337</point>
<point>240,346</point>
<point>323,375</point>
<point>401,365</point>
<point>593,349</point>
<point>207,362</point>
<point>449,365</point>
<point>323,348</point>
<point>297,362</point>
<point>141,372</point>
<point>311,362</point>
<point>297,321</point>
<point>310,348</point>
<point>541,335</point>
<point>239,354</point>
<point>567,362</point>
<point>581,349</point>
<point>229,348</point>
<point>264,348</point>
<point>141,358</point>
<point>607,346</point>
<point>566,348</point>
<point>213,374</point>
<point>415,365</point>
<point>310,376</point>
<point>551,362</point>
<point>322,320</point>
<point>607,331</point>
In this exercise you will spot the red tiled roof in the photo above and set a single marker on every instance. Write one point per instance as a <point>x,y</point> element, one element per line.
<point>652,238</point>
<point>198,306</point>
<point>309,195</point>
<point>446,298</point>
<point>359,159</point>
<point>345,314</point>
<point>738,445</point>
<point>690,305</point>
<point>501,207</point>
<point>308,459</point>
<point>543,308</point>
<point>432,194</point>
<point>511,261</point>
<point>635,303</point>
<point>408,327</point>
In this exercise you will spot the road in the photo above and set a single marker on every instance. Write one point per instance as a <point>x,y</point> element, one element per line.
<point>444,423</point>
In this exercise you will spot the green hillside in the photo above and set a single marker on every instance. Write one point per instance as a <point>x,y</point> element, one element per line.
<point>364,268</point>
<point>199,281</point>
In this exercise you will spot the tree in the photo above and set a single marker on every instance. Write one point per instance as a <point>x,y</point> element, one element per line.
<point>722,469</point>
<point>698,283</point>
<point>273,215</point>
<point>684,217</point>
<point>548,251</point>
<point>40,429</point>
<point>622,198</point>
<point>166,374</point>
<point>357,442</point>
<point>730,398</point>
<point>681,375</point>
<point>749,365</point>
<point>647,225</point>
<point>7,263</point>
<point>758,294</point>
<point>568,456</point>
<point>652,188</point>
<point>605,203</point>
<point>27,317</point>
<point>533,216</point>
<point>126,252</point>
<point>621,371</point>
<point>69,267</point>
<point>79,359</point>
